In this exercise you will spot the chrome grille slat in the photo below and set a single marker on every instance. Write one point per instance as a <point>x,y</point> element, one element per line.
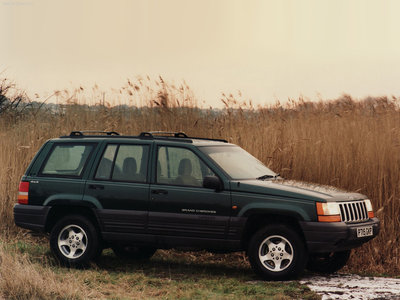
<point>346,207</point>
<point>361,210</point>
<point>365,211</point>
<point>353,211</point>
<point>358,206</point>
<point>345,216</point>
<point>356,215</point>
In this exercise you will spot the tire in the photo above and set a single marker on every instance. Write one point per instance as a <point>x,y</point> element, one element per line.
<point>328,263</point>
<point>280,243</point>
<point>133,252</point>
<point>75,241</point>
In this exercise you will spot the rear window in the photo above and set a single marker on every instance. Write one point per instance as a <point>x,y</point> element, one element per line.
<point>67,160</point>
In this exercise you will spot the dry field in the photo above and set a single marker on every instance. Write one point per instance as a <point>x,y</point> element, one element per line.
<point>345,143</point>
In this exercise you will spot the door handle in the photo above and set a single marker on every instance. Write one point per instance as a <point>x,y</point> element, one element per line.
<point>96,186</point>
<point>164,192</point>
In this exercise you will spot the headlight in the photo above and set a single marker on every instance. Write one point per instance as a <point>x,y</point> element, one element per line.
<point>368,205</point>
<point>328,212</point>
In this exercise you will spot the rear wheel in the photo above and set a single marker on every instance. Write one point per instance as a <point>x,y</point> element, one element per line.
<point>328,262</point>
<point>74,240</point>
<point>276,252</point>
<point>133,252</point>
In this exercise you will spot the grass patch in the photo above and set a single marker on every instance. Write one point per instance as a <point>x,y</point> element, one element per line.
<point>170,274</point>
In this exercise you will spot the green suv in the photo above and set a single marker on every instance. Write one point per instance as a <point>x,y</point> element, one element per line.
<point>157,190</point>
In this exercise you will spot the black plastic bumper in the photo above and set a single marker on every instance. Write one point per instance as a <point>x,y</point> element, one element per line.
<point>31,216</point>
<point>329,237</point>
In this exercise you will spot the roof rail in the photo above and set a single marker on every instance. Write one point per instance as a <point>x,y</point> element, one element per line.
<point>163,134</point>
<point>167,134</point>
<point>159,135</point>
<point>208,139</point>
<point>82,133</point>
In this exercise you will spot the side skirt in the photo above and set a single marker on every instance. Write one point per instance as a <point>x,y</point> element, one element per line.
<point>167,242</point>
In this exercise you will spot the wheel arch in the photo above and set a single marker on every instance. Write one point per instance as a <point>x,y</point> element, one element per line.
<point>256,221</point>
<point>61,210</point>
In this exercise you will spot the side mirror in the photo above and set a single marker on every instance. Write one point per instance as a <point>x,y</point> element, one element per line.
<point>212,182</point>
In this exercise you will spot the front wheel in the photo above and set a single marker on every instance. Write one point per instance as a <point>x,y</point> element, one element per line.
<point>328,263</point>
<point>276,252</point>
<point>74,240</point>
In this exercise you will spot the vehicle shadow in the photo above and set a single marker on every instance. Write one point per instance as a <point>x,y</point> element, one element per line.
<point>179,265</point>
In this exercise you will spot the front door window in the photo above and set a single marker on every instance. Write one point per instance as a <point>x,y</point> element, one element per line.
<point>180,166</point>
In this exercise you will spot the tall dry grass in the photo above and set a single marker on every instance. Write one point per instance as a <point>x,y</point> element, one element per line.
<point>20,279</point>
<point>345,143</point>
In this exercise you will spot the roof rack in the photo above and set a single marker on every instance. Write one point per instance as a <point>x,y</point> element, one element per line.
<point>167,134</point>
<point>163,134</point>
<point>159,135</point>
<point>82,133</point>
<point>208,139</point>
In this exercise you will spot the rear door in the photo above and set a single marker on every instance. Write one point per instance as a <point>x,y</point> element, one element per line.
<point>180,207</point>
<point>119,183</point>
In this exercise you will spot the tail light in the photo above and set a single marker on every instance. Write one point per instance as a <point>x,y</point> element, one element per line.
<point>23,192</point>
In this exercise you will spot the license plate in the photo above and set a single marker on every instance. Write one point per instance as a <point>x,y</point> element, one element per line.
<point>364,231</point>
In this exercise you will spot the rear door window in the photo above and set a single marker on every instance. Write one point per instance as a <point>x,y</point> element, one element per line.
<point>124,163</point>
<point>67,160</point>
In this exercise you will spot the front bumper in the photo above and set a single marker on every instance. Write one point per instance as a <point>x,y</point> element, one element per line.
<point>330,237</point>
<point>31,216</point>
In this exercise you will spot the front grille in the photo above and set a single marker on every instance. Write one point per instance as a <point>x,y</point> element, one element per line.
<point>354,211</point>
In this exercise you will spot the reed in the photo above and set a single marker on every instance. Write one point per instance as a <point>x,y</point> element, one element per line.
<point>349,144</point>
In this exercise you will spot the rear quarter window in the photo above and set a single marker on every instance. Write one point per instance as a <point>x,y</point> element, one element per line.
<point>67,160</point>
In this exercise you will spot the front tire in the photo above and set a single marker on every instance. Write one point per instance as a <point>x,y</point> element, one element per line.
<point>277,252</point>
<point>75,241</point>
<point>327,263</point>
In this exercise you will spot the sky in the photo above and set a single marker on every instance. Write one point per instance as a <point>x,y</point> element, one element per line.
<point>269,50</point>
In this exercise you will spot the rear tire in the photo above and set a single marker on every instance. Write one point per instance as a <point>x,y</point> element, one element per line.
<point>75,241</point>
<point>133,252</point>
<point>277,252</point>
<point>328,263</point>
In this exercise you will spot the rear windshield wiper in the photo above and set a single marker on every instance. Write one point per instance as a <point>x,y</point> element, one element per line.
<point>268,176</point>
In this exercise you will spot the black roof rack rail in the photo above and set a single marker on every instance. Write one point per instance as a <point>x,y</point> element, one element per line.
<point>163,134</point>
<point>208,139</point>
<point>159,135</point>
<point>169,135</point>
<point>82,133</point>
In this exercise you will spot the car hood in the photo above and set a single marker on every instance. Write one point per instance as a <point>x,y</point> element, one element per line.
<point>294,189</point>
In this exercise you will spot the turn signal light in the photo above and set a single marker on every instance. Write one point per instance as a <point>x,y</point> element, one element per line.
<point>369,208</point>
<point>23,192</point>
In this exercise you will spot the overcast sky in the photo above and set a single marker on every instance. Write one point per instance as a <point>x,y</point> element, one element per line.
<point>267,49</point>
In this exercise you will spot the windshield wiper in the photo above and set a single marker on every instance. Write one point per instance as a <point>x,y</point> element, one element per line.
<point>268,176</point>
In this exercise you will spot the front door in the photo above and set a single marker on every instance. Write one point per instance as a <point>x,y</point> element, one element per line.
<point>179,205</point>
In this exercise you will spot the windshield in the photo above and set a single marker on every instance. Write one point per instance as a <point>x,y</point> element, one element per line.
<point>238,163</point>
